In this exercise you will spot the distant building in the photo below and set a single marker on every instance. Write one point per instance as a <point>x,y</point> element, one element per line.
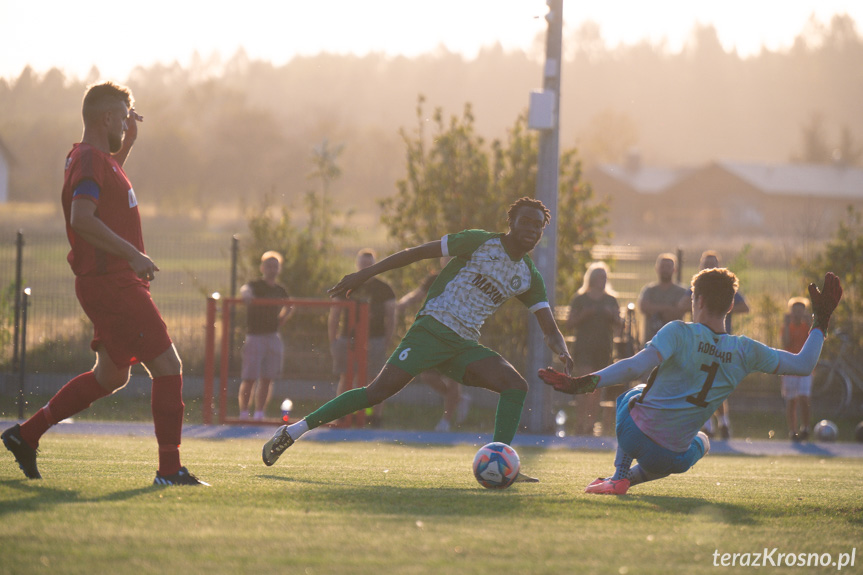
<point>6,161</point>
<point>728,198</point>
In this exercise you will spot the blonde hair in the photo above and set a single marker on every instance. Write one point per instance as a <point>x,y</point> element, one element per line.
<point>272,254</point>
<point>591,269</point>
<point>798,300</point>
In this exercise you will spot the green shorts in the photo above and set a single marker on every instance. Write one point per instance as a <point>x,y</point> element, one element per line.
<point>429,344</point>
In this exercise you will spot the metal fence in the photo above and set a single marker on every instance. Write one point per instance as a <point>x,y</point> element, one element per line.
<point>196,263</point>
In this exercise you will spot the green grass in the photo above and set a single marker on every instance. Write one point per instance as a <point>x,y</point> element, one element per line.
<point>375,508</point>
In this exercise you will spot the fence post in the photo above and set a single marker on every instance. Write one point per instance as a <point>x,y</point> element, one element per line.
<point>209,358</point>
<point>235,252</point>
<point>679,265</point>
<point>22,374</point>
<point>16,329</point>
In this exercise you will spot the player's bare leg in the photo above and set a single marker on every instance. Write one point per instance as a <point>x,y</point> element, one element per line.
<point>791,418</point>
<point>804,416</point>
<point>244,396</point>
<point>449,391</point>
<point>723,422</point>
<point>263,395</point>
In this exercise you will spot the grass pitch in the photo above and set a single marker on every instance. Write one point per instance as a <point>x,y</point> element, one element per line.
<point>375,508</point>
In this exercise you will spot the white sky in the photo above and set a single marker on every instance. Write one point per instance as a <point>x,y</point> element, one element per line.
<point>78,34</point>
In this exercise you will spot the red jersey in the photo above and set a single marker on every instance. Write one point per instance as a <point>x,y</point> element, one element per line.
<point>797,335</point>
<point>116,206</point>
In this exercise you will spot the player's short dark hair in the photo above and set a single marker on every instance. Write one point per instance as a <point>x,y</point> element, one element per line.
<point>717,286</point>
<point>526,202</point>
<point>100,97</point>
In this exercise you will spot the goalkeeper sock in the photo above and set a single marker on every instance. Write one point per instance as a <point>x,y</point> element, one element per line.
<point>508,414</point>
<point>622,463</point>
<point>340,406</point>
<point>638,474</point>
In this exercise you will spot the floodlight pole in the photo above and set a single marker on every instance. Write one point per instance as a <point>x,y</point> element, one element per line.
<point>538,417</point>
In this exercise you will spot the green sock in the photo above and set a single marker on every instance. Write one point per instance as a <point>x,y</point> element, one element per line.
<point>340,406</point>
<point>508,414</point>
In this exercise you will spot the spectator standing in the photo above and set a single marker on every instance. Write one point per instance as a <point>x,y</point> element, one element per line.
<point>796,389</point>
<point>263,351</point>
<point>594,315</point>
<point>382,320</point>
<point>659,302</point>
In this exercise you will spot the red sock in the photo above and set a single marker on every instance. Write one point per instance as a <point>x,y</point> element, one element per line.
<point>168,409</point>
<point>74,397</point>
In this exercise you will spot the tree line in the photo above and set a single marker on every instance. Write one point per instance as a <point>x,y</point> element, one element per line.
<point>217,132</point>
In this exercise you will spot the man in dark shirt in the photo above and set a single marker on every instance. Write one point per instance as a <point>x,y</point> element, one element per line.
<point>382,318</point>
<point>263,351</point>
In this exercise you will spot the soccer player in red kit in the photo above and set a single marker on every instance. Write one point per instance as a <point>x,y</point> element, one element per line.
<point>112,275</point>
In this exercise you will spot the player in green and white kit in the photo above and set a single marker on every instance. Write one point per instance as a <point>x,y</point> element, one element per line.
<point>486,270</point>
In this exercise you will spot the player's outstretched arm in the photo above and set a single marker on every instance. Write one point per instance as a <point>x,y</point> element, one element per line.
<point>623,371</point>
<point>553,338</point>
<point>397,260</point>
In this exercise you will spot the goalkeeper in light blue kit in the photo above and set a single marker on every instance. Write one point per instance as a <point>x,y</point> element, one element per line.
<point>695,366</point>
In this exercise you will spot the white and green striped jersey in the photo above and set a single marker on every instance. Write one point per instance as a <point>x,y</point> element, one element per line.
<point>479,278</point>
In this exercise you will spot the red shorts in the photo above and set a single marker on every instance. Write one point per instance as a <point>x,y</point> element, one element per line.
<point>125,318</point>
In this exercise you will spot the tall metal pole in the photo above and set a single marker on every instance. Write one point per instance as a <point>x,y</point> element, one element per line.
<point>235,258</point>
<point>16,326</point>
<point>538,416</point>
<point>22,374</point>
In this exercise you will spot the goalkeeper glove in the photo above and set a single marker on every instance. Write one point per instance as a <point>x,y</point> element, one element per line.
<point>824,301</point>
<point>568,384</point>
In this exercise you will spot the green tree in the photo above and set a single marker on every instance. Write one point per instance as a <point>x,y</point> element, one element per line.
<point>841,255</point>
<point>457,182</point>
<point>312,262</point>
<point>326,169</point>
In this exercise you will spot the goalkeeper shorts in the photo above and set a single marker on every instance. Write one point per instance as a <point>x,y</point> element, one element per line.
<point>650,455</point>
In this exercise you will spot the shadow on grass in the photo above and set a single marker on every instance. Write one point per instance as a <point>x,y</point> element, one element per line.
<point>38,496</point>
<point>694,506</point>
<point>390,499</point>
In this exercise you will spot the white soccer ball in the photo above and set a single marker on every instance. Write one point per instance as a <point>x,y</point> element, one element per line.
<point>826,431</point>
<point>496,465</point>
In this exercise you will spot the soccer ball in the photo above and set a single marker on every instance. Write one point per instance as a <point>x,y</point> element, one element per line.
<point>496,465</point>
<point>826,431</point>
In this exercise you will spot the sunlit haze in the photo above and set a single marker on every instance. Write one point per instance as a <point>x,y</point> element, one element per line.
<point>75,36</point>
